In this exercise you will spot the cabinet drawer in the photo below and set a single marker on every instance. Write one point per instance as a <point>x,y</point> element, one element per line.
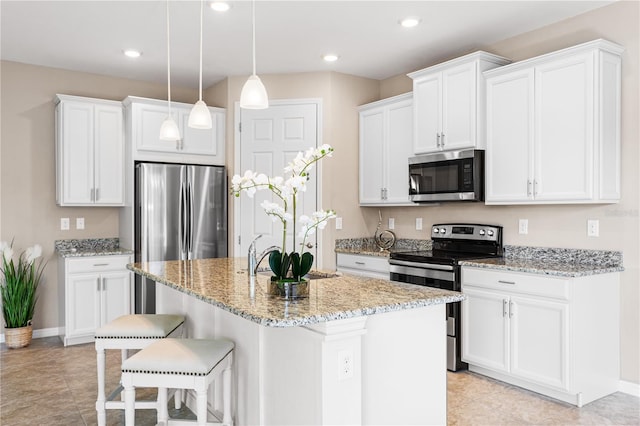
<point>515,282</point>
<point>368,263</point>
<point>98,263</point>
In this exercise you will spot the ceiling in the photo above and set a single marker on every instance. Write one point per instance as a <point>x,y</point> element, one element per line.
<point>90,36</point>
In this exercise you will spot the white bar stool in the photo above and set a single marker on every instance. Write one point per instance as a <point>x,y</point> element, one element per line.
<point>130,332</point>
<point>181,364</point>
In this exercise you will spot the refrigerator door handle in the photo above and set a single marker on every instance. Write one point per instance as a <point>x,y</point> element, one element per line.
<point>190,206</point>
<point>183,217</point>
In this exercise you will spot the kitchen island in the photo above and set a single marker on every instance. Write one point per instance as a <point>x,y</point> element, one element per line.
<point>356,351</point>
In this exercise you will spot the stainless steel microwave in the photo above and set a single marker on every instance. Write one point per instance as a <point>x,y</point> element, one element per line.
<point>447,176</point>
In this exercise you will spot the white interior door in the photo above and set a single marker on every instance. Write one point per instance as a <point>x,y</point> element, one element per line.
<point>269,139</point>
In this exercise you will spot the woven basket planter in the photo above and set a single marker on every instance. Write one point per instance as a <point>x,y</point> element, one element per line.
<point>18,337</point>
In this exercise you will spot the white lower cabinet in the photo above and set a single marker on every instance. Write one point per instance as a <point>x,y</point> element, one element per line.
<point>96,291</point>
<point>556,336</point>
<point>364,265</point>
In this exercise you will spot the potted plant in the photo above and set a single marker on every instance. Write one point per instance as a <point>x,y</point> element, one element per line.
<point>19,286</point>
<point>289,268</point>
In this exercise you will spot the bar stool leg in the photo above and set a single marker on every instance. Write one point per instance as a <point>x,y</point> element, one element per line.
<point>201,395</point>
<point>163,412</point>
<point>124,354</point>
<point>100,403</point>
<point>129,405</point>
<point>226,397</point>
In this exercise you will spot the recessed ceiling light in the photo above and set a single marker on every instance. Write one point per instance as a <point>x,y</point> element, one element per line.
<point>220,6</point>
<point>410,22</point>
<point>330,57</point>
<point>132,53</point>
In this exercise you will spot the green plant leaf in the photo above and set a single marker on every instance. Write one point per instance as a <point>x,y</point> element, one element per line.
<point>275,263</point>
<point>295,265</point>
<point>284,267</point>
<point>305,263</point>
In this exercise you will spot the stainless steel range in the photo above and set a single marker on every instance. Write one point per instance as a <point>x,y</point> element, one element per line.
<point>439,267</point>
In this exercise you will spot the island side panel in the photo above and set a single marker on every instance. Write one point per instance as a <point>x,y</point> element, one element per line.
<point>204,320</point>
<point>404,368</point>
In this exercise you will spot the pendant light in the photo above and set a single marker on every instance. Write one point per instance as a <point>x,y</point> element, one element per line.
<point>169,129</point>
<point>254,94</point>
<point>200,117</point>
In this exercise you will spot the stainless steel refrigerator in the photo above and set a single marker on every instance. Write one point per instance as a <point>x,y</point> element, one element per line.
<point>181,214</point>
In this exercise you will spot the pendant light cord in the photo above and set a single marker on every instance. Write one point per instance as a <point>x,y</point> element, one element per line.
<point>168,63</point>
<point>253,26</point>
<point>201,12</point>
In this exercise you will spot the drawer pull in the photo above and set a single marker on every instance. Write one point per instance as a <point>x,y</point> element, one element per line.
<point>100,264</point>
<point>507,282</point>
<point>360,263</point>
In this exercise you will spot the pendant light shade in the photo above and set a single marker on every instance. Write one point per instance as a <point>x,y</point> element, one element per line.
<point>200,117</point>
<point>169,129</point>
<point>254,94</point>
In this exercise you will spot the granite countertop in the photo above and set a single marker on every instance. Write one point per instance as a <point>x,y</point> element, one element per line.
<point>368,247</point>
<point>90,247</point>
<point>553,261</point>
<point>224,283</point>
<point>561,262</point>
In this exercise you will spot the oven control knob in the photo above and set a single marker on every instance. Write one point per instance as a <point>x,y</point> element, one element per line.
<point>442,230</point>
<point>490,233</point>
<point>436,230</point>
<point>481,232</point>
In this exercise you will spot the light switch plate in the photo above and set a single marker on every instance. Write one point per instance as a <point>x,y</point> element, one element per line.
<point>523,226</point>
<point>418,224</point>
<point>392,223</point>
<point>79,222</point>
<point>64,223</point>
<point>338,223</point>
<point>593,228</point>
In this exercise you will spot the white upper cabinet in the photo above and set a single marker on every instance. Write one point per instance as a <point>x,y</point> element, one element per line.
<point>89,152</point>
<point>553,128</point>
<point>449,103</point>
<point>202,146</point>
<point>386,136</point>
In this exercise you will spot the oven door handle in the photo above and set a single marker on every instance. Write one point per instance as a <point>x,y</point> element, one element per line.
<point>421,265</point>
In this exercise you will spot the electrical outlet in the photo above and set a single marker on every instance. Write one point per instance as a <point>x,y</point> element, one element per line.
<point>345,365</point>
<point>593,228</point>
<point>338,223</point>
<point>418,224</point>
<point>392,223</point>
<point>79,222</point>
<point>523,226</point>
<point>64,223</point>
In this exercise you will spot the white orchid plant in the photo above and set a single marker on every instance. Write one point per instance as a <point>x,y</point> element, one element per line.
<point>287,189</point>
<point>19,284</point>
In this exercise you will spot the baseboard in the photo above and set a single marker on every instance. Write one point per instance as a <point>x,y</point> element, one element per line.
<point>629,388</point>
<point>43,332</point>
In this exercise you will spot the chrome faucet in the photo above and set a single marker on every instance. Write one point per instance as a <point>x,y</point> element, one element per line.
<point>255,260</point>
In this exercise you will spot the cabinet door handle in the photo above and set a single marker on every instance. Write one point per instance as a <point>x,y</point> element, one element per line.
<point>97,284</point>
<point>535,187</point>
<point>97,194</point>
<point>360,263</point>
<point>92,196</point>
<point>510,309</point>
<point>100,264</point>
<point>442,140</point>
<point>505,307</point>
<point>528,188</point>
<point>506,282</point>
<point>438,139</point>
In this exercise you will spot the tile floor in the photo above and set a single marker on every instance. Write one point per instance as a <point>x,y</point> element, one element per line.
<point>48,384</point>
